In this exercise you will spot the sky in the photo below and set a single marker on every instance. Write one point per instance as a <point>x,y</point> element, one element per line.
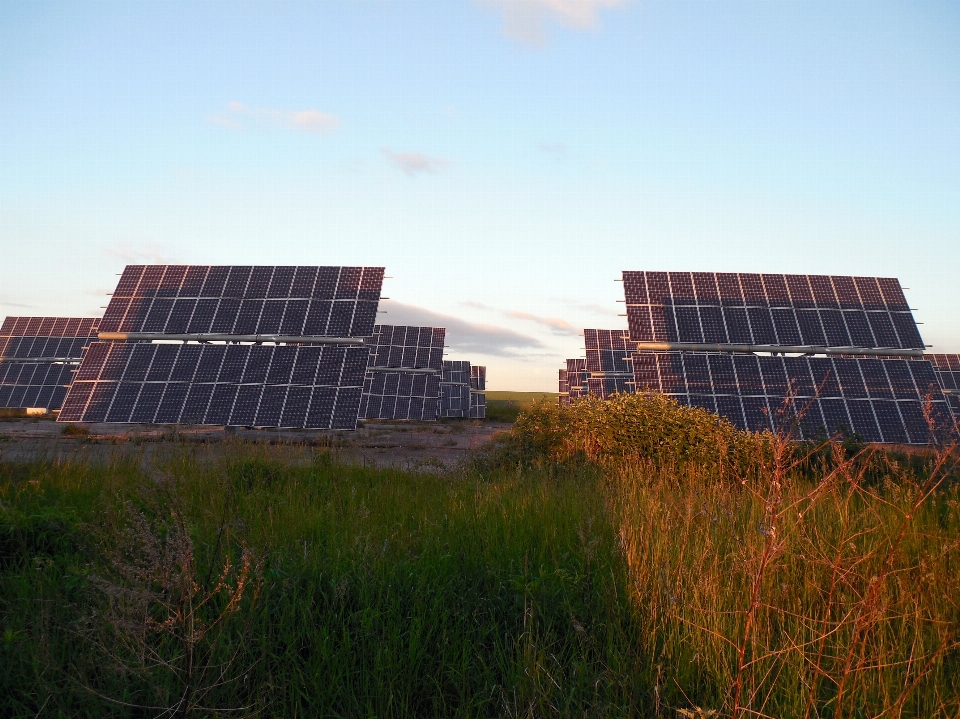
<point>505,160</point>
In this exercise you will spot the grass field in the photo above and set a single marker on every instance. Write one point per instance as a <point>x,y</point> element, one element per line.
<point>505,406</point>
<point>674,568</point>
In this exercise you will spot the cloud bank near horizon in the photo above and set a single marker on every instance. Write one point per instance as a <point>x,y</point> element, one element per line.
<point>462,335</point>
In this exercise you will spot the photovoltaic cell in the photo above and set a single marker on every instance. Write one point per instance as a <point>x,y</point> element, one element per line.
<point>244,300</point>
<point>310,387</point>
<point>745,308</point>
<point>38,358</point>
<point>880,399</point>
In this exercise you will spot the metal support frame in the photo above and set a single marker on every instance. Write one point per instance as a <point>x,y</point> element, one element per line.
<point>216,337</point>
<point>777,349</point>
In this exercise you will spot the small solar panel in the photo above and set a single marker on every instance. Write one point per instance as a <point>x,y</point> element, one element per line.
<point>946,367</point>
<point>403,395</point>
<point>478,388</point>
<point>306,386</point>
<point>880,399</point>
<point>245,300</point>
<point>755,309</point>
<point>577,376</point>
<point>38,356</point>
<point>455,389</point>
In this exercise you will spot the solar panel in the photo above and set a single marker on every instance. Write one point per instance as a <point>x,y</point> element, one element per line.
<point>404,393</point>
<point>38,356</point>
<point>761,310</point>
<point>947,369</point>
<point>455,389</point>
<point>608,361</point>
<point>478,390</point>
<point>564,388</point>
<point>307,386</point>
<point>245,300</point>
<point>577,376</point>
<point>881,399</point>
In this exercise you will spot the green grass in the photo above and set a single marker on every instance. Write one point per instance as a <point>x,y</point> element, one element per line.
<point>382,593</point>
<point>581,567</point>
<point>523,399</point>
<point>505,406</point>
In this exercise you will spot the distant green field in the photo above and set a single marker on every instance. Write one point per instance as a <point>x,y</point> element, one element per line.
<point>505,406</point>
<point>521,398</point>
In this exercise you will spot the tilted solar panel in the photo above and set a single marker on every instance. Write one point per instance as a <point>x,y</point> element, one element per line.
<point>307,386</point>
<point>245,300</point>
<point>608,351</point>
<point>947,369</point>
<point>577,376</point>
<point>755,309</point>
<point>478,388</point>
<point>881,399</point>
<point>403,395</point>
<point>38,356</point>
<point>455,389</point>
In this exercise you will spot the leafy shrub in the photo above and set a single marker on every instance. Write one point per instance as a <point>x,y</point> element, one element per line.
<point>628,428</point>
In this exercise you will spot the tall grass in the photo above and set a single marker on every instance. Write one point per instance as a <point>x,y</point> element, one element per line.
<point>632,558</point>
<point>379,592</point>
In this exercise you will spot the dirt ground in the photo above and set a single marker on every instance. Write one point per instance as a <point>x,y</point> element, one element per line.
<point>409,445</point>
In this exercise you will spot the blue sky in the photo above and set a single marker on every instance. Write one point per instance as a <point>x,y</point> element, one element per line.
<point>504,159</point>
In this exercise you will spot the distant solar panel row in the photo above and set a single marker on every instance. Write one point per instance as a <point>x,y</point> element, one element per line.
<point>34,384</point>
<point>402,396</point>
<point>478,387</point>
<point>243,385</point>
<point>405,346</point>
<point>577,377</point>
<point>791,310</point>
<point>882,400</point>
<point>289,301</point>
<point>608,350</point>
<point>455,389</point>
<point>947,367</point>
<point>38,356</point>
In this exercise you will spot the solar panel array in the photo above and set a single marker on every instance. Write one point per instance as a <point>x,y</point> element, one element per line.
<point>305,386</point>
<point>478,388</point>
<point>881,399</point>
<point>403,395</point>
<point>299,385</point>
<point>608,361</point>
<point>564,388</point>
<point>455,389</point>
<point>577,377</point>
<point>38,356</point>
<point>947,368</point>
<point>245,300</point>
<point>755,309</point>
<point>609,351</point>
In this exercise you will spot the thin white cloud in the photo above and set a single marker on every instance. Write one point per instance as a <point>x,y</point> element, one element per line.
<point>314,121</point>
<point>6,302</point>
<point>554,324</point>
<point>462,335</point>
<point>225,122</point>
<point>526,20</point>
<point>136,253</point>
<point>414,163</point>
